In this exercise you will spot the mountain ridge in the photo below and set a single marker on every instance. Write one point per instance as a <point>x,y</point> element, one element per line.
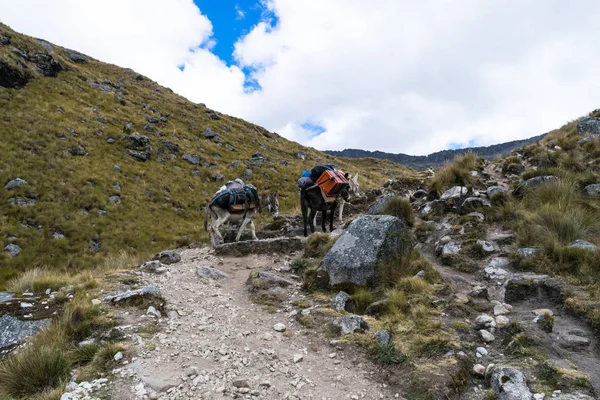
<point>438,158</point>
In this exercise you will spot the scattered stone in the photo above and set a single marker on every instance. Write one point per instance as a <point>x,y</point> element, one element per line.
<point>593,190</point>
<point>301,155</point>
<point>454,193</point>
<point>297,358</point>
<point>137,141</point>
<point>209,133</point>
<point>15,183</point>
<point>338,302</point>
<point>493,191</point>
<point>479,370</point>
<point>139,155</point>
<point>509,384</point>
<point>147,291</point>
<point>500,309</point>
<point>484,321</point>
<point>350,323</point>
<point>279,327</point>
<point>12,249</point>
<point>118,356</point>
<point>115,199</point>
<point>574,342</point>
<point>461,298</point>
<point>153,311</point>
<point>482,350</point>
<point>526,252</point>
<point>494,270</point>
<point>501,321</point>
<point>582,244</point>
<point>383,336</point>
<point>451,248</point>
<point>486,336</point>
<point>211,273</point>
<point>14,331</point>
<point>488,247</point>
<point>368,240</point>
<point>472,204</point>
<point>22,201</point>
<point>477,215</point>
<point>265,279</point>
<point>168,257</point>
<point>191,158</point>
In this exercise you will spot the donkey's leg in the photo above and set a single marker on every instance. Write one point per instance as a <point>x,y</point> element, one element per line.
<point>332,217</point>
<point>311,219</point>
<point>324,220</point>
<point>242,227</point>
<point>340,215</point>
<point>220,221</point>
<point>304,208</point>
<point>253,228</point>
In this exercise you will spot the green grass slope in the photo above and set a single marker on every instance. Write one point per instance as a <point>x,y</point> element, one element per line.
<point>59,116</point>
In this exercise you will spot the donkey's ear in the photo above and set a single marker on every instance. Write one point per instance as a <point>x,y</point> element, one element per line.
<point>275,194</point>
<point>355,178</point>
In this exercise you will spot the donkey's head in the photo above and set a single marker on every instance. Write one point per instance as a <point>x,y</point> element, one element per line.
<point>270,203</point>
<point>353,188</point>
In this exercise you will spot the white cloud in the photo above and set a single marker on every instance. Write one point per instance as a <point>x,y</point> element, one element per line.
<point>389,75</point>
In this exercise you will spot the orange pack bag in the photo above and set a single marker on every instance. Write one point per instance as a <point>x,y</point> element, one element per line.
<point>332,182</point>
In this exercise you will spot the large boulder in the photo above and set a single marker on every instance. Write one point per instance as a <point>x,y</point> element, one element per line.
<point>369,240</point>
<point>538,180</point>
<point>588,125</point>
<point>168,257</point>
<point>509,384</point>
<point>472,204</point>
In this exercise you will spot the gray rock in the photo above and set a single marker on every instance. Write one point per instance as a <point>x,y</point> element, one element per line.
<point>477,215</point>
<point>14,331</point>
<point>451,248</point>
<point>117,168</point>
<point>454,193</point>
<point>168,257</point>
<point>538,180</point>
<point>265,279</point>
<point>369,239</point>
<point>588,125</point>
<point>526,252</point>
<point>493,191</point>
<point>15,183</point>
<point>147,291</point>
<point>211,273</point>
<point>137,141</point>
<point>582,244</point>
<point>22,201</point>
<point>5,296</point>
<point>380,203</point>
<point>209,133</point>
<point>115,199</point>
<point>484,321</point>
<point>572,396</point>
<point>76,57</point>
<point>588,139</point>
<point>247,174</point>
<point>339,301</point>
<point>350,323</point>
<point>378,307</point>
<point>488,247</point>
<point>301,155</point>
<point>95,245</point>
<point>495,268</point>
<point>509,384</point>
<point>12,249</point>
<point>191,158</point>
<point>139,155</point>
<point>45,45</point>
<point>383,337</point>
<point>593,189</point>
<point>472,204</point>
<point>574,342</point>
<point>418,194</point>
<point>172,147</point>
<point>153,266</point>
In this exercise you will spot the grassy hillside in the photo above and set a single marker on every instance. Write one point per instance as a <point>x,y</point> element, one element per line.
<point>66,126</point>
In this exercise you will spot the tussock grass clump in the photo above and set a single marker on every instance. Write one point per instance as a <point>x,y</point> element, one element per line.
<point>456,174</point>
<point>388,354</point>
<point>40,367</point>
<point>318,244</point>
<point>362,297</point>
<point>392,270</point>
<point>401,208</point>
<point>42,278</point>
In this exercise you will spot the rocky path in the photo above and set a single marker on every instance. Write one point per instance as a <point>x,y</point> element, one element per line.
<point>214,343</point>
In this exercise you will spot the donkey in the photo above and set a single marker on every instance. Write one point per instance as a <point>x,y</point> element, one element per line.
<point>313,199</point>
<point>221,215</point>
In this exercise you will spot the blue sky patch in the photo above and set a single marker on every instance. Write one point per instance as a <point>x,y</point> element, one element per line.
<point>457,146</point>
<point>314,129</point>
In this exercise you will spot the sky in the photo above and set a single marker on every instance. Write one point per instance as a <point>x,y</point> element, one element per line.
<point>388,75</point>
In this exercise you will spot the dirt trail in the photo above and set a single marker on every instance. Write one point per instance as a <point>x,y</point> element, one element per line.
<point>216,344</point>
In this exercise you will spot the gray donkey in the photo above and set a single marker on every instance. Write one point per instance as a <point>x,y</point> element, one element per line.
<point>221,215</point>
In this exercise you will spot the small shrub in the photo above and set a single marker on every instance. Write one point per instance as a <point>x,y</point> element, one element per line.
<point>547,323</point>
<point>456,174</point>
<point>401,208</point>
<point>362,297</point>
<point>38,368</point>
<point>299,264</point>
<point>104,357</point>
<point>388,354</point>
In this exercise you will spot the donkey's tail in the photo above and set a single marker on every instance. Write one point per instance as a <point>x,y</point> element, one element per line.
<point>206,211</point>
